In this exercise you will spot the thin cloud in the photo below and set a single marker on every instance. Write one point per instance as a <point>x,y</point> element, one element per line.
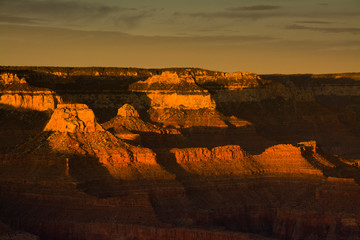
<point>233,15</point>
<point>255,8</point>
<point>322,29</point>
<point>132,20</point>
<point>313,22</point>
<point>114,35</point>
<point>19,20</point>
<point>63,8</point>
<point>64,12</point>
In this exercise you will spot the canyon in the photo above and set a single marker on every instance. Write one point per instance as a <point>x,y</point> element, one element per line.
<point>178,153</point>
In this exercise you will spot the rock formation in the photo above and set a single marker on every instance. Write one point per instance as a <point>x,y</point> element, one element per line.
<point>127,125</point>
<point>73,131</point>
<point>127,111</point>
<point>169,90</point>
<point>178,154</point>
<point>16,92</point>
<point>9,78</point>
<point>73,118</point>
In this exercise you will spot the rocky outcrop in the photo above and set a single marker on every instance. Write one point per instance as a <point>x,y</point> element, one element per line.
<point>128,126</point>
<point>231,81</point>
<point>73,118</point>
<point>127,111</point>
<point>232,175</point>
<point>74,132</point>
<point>40,101</point>
<point>285,158</point>
<point>16,92</point>
<point>232,160</point>
<point>128,119</point>
<point>219,161</point>
<point>9,79</point>
<point>187,118</point>
<point>169,90</point>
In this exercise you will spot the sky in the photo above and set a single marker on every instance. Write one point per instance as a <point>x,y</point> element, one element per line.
<point>261,36</point>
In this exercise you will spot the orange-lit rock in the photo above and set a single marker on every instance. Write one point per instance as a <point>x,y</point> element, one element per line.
<point>191,154</point>
<point>40,101</point>
<point>127,111</point>
<point>231,81</point>
<point>9,78</point>
<point>285,158</point>
<point>73,118</point>
<point>219,161</point>
<point>128,119</point>
<point>169,90</point>
<point>187,118</point>
<point>16,92</point>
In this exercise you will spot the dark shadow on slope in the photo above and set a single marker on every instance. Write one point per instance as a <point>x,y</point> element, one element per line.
<point>341,169</point>
<point>93,178</point>
<point>289,121</point>
<point>176,209</point>
<point>167,160</point>
<point>211,202</point>
<point>17,125</point>
<point>156,140</point>
<point>36,161</point>
<point>104,90</point>
<point>247,137</point>
<point>309,80</point>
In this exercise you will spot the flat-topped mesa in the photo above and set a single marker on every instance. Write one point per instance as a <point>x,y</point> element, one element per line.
<point>73,118</point>
<point>236,80</point>
<point>16,92</point>
<point>285,158</point>
<point>167,82</point>
<point>170,90</point>
<point>219,161</point>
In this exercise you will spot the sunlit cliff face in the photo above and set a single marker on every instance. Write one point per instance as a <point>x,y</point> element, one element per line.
<point>89,153</point>
<point>73,118</point>
<point>169,90</point>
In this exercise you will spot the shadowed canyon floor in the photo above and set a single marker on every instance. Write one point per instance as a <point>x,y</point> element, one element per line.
<point>126,153</point>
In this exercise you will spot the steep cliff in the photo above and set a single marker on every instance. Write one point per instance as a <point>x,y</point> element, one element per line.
<point>73,131</point>
<point>179,154</point>
<point>16,92</point>
<point>177,100</point>
<point>219,161</point>
<point>232,160</point>
<point>73,118</point>
<point>128,126</point>
<point>169,90</point>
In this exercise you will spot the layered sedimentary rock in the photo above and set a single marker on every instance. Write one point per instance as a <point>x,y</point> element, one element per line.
<point>10,79</point>
<point>128,125</point>
<point>179,154</point>
<point>16,92</point>
<point>177,100</point>
<point>169,90</point>
<point>219,161</point>
<point>129,119</point>
<point>285,159</point>
<point>73,131</point>
<point>232,160</point>
<point>73,118</point>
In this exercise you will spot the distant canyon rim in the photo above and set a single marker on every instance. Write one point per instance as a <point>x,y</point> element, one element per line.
<point>178,153</point>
